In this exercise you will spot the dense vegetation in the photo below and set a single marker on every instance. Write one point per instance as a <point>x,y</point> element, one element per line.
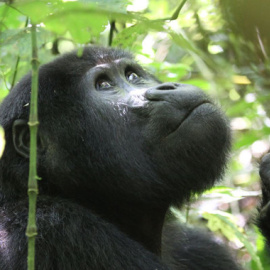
<point>206,43</point>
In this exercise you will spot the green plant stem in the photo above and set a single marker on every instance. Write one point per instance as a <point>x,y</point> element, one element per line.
<point>17,61</point>
<point>31,231</point>
<point>176,13</point>
<point>112,29</point>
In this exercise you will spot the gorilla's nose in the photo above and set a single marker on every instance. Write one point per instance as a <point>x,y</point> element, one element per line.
<point>184,96</point>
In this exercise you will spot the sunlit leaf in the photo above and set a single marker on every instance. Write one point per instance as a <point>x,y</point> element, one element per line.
<point>36,10</point>
<point>11,17</point>
<point>2,141</point>
<point>225,223</point>
<point>80,30</point>
<point>262,252</point>
<point>241,79</point>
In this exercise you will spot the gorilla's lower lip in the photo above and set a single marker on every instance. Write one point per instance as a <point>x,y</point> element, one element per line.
<point>191,112</point>
<point>194,108</point>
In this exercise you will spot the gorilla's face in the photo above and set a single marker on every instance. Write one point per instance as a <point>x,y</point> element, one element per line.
<point>109,128</point>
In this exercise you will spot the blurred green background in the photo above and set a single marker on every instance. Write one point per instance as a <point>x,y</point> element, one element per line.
<point>221,46</point>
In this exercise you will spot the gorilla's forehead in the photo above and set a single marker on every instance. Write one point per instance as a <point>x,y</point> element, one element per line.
<point>116,65</point>
<point>101,64</point>
<point>101,55</point>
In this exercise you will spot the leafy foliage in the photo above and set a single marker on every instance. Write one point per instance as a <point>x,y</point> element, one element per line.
<point>204,45</point>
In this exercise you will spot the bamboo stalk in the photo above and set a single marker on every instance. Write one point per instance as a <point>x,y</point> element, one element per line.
<point>31,231</point>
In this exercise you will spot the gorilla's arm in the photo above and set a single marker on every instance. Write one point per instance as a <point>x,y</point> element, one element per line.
<point>99,245</point>
<point>189,248</point>
<point>263,220</point>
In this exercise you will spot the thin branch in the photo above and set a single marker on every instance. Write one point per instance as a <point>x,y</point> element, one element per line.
<point>17,61</point>
<point>261,43</point>
<point>3,15</point>
<point>15,71</point>
<point>112,30</point>
<point>176,13</point>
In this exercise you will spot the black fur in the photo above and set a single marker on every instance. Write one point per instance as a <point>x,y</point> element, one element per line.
<point>263,220</point>
<point>116,149</point>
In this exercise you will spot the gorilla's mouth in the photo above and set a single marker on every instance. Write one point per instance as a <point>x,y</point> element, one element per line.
<point>198,111</point>
<point>195,108</point>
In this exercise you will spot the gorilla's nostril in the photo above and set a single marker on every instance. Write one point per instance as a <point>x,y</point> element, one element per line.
<point>166,86</point>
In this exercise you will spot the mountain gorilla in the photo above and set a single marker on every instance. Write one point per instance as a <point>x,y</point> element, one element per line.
<point>263,220</point>
<point>116,149</point>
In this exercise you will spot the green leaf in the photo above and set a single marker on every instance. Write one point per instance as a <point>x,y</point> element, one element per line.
<point>11,17</point>
<point>127,37</point>
<point>35,10</point>
<point>225,222</point>
<point>250,137</point>
<point>80,30</point>
<point>203,84</point>
<point>3,93</point>
<point>18,40</point>
<point>219,189</point>
<point>261,251</point>
<point>9,37</point>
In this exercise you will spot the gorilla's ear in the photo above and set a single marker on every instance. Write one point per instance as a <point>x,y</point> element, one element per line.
<point>21,137</point>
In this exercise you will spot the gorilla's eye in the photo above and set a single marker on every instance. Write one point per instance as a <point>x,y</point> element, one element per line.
<point>131,76</point>
<point>103,85</point>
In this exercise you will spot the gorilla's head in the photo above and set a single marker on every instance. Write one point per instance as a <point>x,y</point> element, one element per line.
<point>109,129</point>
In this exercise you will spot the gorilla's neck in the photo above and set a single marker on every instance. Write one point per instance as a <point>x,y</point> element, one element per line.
<point>140,222</point>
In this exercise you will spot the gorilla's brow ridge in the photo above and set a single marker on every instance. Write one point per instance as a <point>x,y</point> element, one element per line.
<point>107,60</point>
